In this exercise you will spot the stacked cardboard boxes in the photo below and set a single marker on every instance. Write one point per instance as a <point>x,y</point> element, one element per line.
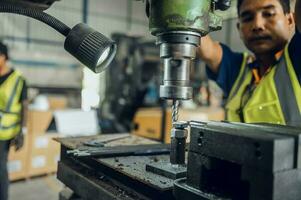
<point>17,161</point>
<point>43,155</point>
<point>43,151</point>
<point>40,152</point>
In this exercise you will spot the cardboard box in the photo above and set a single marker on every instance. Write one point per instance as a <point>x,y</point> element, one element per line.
<point>17,161</point>
<point>38,121</point>
<point>147,121</point>
<point>43,154</point>
<point>54,153</point>
<point>57,102</point>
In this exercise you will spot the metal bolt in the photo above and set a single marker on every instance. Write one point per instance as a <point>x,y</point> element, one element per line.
<point>180,125</point>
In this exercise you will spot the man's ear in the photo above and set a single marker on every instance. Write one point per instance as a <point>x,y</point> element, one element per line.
<point>291,19</point>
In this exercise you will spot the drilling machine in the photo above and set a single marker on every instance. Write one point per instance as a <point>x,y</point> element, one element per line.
<point>178,26</point>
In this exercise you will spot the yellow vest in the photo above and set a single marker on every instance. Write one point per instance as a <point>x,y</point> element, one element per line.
<point>10,106</point>
<point>276,99</point>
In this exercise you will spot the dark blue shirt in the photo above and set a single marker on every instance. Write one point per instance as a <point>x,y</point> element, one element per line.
<point>231,64</point>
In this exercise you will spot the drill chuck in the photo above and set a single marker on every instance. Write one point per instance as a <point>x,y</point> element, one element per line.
<point>177,50</point>
<point>176,79</point>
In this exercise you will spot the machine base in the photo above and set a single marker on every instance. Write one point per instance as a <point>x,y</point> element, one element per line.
<point>184,191</point>
<point>166,169</point>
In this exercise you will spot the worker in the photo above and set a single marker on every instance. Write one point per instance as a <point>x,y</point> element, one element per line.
<point>13,95</point>
<point>263,86</point>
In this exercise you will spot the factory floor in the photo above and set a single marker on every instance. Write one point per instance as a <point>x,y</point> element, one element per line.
<point>46,188</point>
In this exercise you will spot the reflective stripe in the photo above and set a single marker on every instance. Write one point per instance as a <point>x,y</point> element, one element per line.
<point>5,112</point>
<point>241,80</point>
<point>286,95</point>
<point>10,127</point>
<point>12,96</point>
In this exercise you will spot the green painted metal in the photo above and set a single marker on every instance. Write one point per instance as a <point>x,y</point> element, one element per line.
<point>183,15</point>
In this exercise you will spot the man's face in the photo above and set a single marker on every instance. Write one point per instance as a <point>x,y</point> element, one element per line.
<point>263,26</point>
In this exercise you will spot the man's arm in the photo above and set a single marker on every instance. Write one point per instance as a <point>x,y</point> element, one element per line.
<point>222,63</point>
<point>211,53</point>
<point>298,14</point>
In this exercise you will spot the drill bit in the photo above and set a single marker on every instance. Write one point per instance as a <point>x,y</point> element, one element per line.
<point>175,110</point>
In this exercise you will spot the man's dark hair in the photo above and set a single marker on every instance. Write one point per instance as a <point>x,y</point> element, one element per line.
<point>4,50</point>
<point>284,3</point>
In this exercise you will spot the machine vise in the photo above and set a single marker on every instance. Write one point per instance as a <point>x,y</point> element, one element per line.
<point>242,162</point>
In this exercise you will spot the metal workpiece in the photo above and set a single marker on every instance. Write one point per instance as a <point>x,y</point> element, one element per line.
<point>177,153</point>
<point>176,167</point>
<point>178,144</point>
<point>181,124</point>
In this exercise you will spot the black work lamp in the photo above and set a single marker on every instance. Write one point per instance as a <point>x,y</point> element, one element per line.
<point>90,47</point>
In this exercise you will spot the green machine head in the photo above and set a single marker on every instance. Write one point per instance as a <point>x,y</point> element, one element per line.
<point>178,26</point>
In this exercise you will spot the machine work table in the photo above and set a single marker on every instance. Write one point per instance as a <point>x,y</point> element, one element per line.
<point>117,171</point>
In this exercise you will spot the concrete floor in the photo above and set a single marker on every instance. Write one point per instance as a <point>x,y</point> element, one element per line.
<point>46,188</point>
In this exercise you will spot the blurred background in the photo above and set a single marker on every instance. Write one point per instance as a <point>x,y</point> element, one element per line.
<point>67,99</point>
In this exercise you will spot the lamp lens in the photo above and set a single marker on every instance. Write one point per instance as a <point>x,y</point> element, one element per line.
<point>103,56</point>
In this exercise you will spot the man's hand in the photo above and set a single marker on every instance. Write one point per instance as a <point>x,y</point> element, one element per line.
<point>18,141</point>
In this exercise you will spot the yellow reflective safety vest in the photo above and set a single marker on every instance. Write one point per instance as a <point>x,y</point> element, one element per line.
<point>276,99</point>
<point>10,106</point>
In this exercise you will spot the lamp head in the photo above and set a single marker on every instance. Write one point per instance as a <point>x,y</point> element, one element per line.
<point>90,47</point>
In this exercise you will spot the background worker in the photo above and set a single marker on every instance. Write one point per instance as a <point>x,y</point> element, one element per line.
<point>265,86</point>
<point>13,95</point>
